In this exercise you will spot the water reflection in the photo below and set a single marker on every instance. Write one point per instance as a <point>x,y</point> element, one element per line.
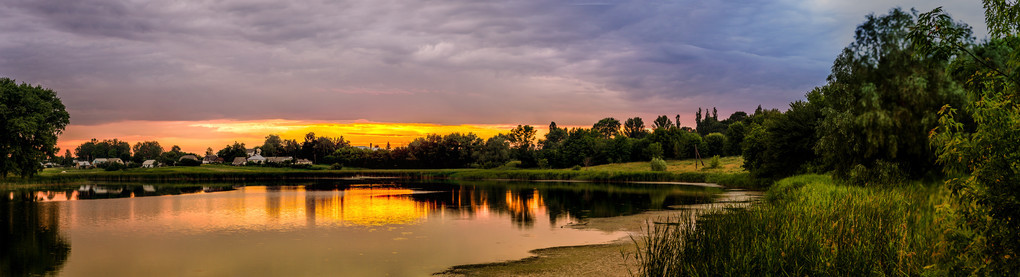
<point>30,238</point>
<point>320,227</point>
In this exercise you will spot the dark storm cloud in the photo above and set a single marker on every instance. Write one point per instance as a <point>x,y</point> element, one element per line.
<point>423,61</point>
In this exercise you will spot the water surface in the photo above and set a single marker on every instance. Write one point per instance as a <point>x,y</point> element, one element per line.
<point>315,228</point>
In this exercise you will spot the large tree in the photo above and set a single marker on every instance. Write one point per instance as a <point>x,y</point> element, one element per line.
<point>661,122</point>
<point>881,101</point>
<point>273,146</point>
<point>148,150</point>
<point>608,127</point>
<point>31,118</point>
<point>977,142</point>
<point>634,128</point>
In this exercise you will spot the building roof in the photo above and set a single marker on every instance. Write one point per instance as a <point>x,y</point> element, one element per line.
<point>278,159</point>
<point>239,161</point>
<point>149,162</point>
<point>190,157</point>
<point>257,157</point>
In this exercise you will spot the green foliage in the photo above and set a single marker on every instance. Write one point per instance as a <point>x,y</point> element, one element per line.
<point>189,162</point>
<point>112,166</point>
<point>709,124</point>
<point>714,162</point>
<point>336,166</point>
<point>658,164</point>
<point>881,100</point>
<point>231,151</point>
<point>808,226</point>
<point>662,122</point>
<point>109,148</point>
<point>32,118</point>
<point>273,146</point>
<point>576,168</point>
<point>634,128</point>
<point>495,153</point>
<point>654,150</point>
<point>608,127</point>
<point>735,138</point>
<point>715,143</point>
<point>148,150</point>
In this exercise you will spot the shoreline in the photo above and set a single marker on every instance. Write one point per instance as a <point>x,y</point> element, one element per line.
<point>614,258</point>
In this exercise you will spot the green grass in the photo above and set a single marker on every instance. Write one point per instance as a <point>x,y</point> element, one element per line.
<point>729,174</point>
<point>808,225</point>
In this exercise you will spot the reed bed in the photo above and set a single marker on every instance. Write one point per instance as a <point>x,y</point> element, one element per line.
<point>807,226</point>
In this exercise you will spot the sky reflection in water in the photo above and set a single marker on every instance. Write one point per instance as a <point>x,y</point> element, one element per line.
<point>388,229</point>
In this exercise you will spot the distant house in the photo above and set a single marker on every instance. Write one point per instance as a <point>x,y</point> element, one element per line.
<point>257,158</point>
<point>149,164</point>
<point>370,148</point>
<point>278,160</point>
<point>303,161</point>
<point>189,157</point>
<point>82,164</point>
<point>211,159</point>
<point>239,161</point>
<point>100,161</point>
<point>250,152</point>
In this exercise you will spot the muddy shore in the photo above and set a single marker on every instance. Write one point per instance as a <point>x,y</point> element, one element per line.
<point>615,258</point>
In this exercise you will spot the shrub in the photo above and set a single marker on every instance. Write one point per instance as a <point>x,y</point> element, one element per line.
<point>336,166</point>
<point>543,163</point>
<point>714,163</point>
<point>658,164</point>
<point>189,162</point>
<point>305,166</point>
<point>576,168</point>
<point>112,166</point>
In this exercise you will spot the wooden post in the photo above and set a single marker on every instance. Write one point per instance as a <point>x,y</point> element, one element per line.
<point>697,158</point>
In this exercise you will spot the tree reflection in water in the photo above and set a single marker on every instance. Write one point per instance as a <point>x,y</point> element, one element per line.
<point>30,236</point>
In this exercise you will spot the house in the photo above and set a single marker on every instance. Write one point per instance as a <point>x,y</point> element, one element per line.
<point>211,159</point>
<point>189,157</point>
<point>100,161</point>
<point>250,152</point>
<point>303,161</point>
<point>370,148</point>
<point>278,160</point>
<point>82,164</point>
<point>149,164</point>
<point>258,158</point>
<point>239,161</point>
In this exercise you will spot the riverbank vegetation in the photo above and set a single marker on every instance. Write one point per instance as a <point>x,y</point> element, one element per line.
<point>916,133</point>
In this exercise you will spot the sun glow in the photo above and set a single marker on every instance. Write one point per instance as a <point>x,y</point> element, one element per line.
<point>196,136</point>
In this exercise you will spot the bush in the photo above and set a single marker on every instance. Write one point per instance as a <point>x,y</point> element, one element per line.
<point>714,163</point>
<point>658,164</point>
<point>305,166</point>
<point>112,166</point>
<point>543,163</point>
<point>881,174</point>
<point>336,166</point>
<point>515,164</point>
<point>189,162</point>
<point>576,168</point>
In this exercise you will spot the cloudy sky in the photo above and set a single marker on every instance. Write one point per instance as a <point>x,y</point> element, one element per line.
<point>161,69</point>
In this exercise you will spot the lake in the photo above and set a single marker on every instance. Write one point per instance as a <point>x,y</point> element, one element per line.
<point>323,227</point>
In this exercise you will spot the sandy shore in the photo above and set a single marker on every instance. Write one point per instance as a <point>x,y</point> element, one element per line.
<point>612,259</point>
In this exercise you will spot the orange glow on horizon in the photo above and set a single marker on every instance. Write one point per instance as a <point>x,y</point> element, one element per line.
<point>196,136</point>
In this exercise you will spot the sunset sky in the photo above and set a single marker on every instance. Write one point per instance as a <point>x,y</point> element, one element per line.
<point>206,73</point>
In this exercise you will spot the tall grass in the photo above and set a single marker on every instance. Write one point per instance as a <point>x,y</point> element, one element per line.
<point>807,225</point>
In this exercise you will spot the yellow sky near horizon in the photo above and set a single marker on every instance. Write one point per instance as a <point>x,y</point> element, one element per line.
<point>196,136</point>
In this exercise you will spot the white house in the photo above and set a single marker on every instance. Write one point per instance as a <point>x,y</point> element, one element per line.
<point>149,164</point>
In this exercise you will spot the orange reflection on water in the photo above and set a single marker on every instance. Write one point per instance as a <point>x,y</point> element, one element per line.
<point>371,207</point>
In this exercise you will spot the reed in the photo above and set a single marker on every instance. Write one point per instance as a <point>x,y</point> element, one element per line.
<point>808,225</point>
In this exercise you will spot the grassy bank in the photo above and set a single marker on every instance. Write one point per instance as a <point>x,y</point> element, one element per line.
<point>808,225</point>
<point>728,174</point>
